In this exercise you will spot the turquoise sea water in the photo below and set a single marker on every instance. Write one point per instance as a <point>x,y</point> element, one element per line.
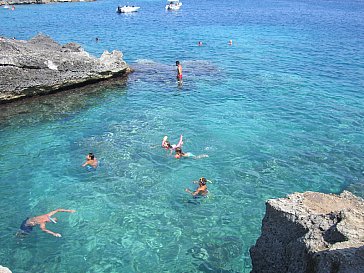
<point>279,111</point>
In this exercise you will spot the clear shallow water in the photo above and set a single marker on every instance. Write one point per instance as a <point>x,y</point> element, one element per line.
<point>279,111</point>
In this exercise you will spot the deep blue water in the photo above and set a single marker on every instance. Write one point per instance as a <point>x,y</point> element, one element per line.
<point>279,111</point>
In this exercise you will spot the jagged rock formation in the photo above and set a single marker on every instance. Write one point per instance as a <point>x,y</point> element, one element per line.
<point>4,269</point>
<point>41,65</point>
<point>311,232</point>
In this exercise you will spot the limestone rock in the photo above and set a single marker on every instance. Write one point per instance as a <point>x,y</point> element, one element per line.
<point>4,269</point>
<point>311,232</point>
<point>41,66</point>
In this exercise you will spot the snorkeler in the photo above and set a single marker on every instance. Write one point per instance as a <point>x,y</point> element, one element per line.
<point>90,161</point>
<point>168,146</point>
<point>180,154</point>
<point>179,71</point>
<point>201,190</point>
<point>28,224</point>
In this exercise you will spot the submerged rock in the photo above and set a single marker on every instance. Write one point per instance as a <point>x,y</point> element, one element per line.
<point>41,66</point>
<point>311,232</point>
<point>216,256</point>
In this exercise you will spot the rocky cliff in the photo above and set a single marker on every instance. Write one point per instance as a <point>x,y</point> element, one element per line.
<point>311,232</point>
<point>41,66</point>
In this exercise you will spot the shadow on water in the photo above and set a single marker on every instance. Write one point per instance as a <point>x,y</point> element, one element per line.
<point>62,105</point>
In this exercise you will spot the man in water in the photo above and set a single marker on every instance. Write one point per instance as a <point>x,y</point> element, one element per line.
<point>90,161</point>
<point>201,190</point>
<point>179,71</point>
<point>28,224</point>
<point>180,154</point>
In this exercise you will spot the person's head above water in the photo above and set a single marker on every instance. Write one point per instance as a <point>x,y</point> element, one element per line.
<point>91,156</point>
<point>167,144</point>
<point>177,63</point>
<point>178,150</point>
<point>202,181</point>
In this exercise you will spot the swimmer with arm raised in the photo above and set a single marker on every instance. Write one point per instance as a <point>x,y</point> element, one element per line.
<point>168,146</point>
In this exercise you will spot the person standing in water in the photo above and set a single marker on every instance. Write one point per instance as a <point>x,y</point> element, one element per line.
<point>28,224</point>
<point>90,161</point>
<point>179,71</point>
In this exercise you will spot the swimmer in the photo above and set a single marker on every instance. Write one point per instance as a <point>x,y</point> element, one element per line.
<point>90,161</point>
<point>180,154</point>
<point>202,178</point>
<point>28,224</point>
<point>179,71</point>
<point>201,190</point>
<point>230,42</point>
<point>199,43</point>
<point>168,146</point>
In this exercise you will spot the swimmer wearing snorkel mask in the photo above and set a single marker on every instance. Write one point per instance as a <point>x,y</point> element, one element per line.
<point>201,190</point>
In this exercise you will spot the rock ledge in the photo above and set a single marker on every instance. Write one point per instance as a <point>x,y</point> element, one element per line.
<point>311,232</point>
<point>4,269</point>
<point>41,66</point>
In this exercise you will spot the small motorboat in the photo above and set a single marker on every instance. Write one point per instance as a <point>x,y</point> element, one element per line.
<point>127,9</point>
<point>173,5</point>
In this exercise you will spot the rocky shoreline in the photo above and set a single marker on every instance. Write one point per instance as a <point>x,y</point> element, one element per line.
<point>42,66</point>
<point>311,232</point>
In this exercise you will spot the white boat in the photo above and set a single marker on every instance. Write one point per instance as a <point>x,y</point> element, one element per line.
<point>127,9</point>
<point>173,5</point>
